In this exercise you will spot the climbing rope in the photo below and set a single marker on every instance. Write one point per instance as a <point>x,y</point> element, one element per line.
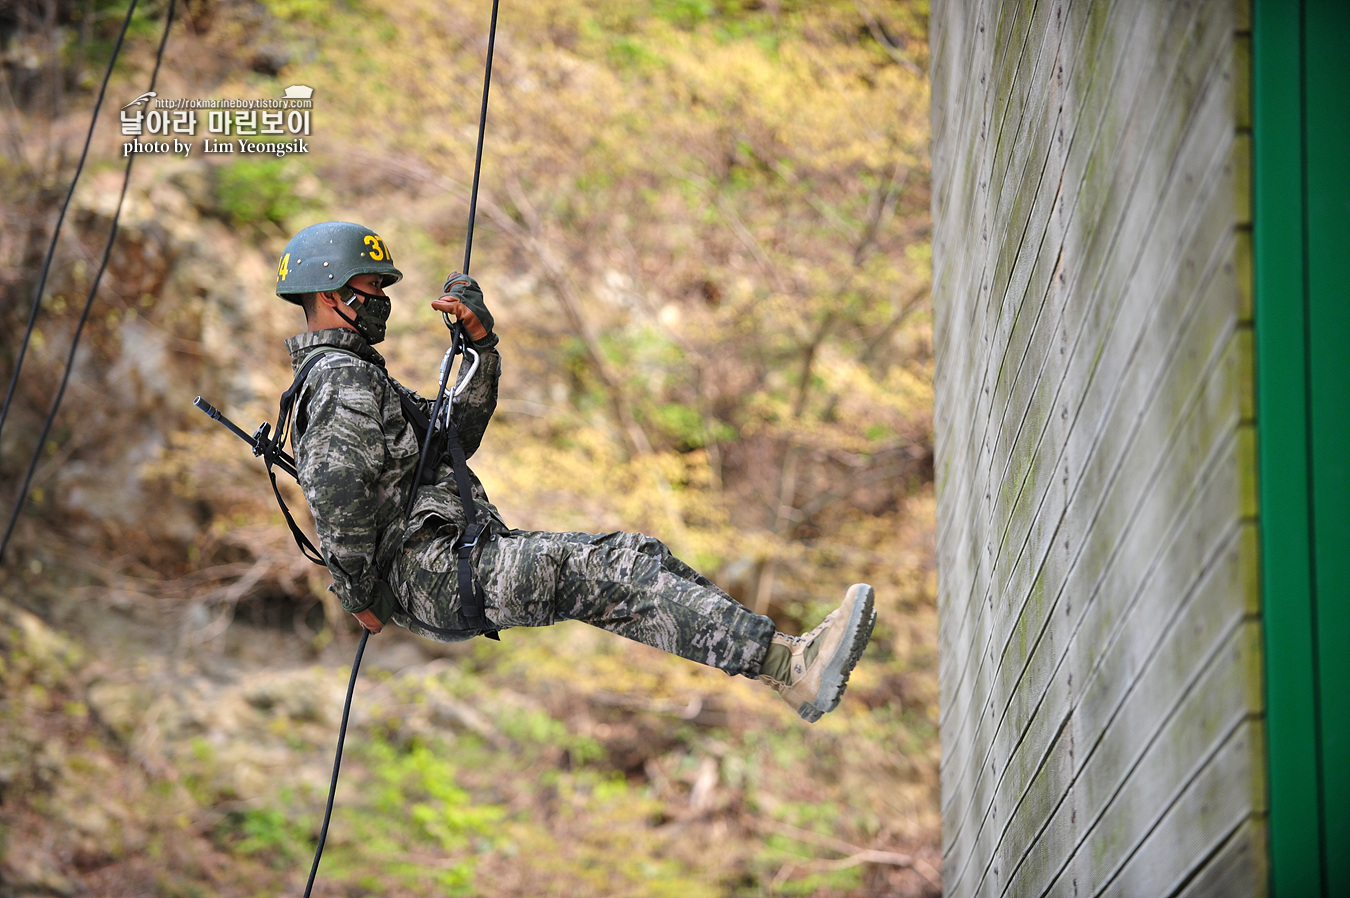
<point>459,338</point>
<point>61,217</point>
<point>93,288</point>
<point>337,759</point>
<point>478,154</point>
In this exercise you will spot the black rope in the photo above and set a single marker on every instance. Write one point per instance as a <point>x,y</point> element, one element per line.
<point>88,305</point>
<point>460,338</point>
<point>457,338</point>
<point>337,760</point>
<point>482,130</point>
<point>51,247</point>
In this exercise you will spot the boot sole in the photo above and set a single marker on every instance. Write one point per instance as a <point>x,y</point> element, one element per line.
<point>834,678</point>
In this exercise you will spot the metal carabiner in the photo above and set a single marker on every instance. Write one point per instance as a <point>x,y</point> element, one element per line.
<point>453,393</point>
<point>473,369</point>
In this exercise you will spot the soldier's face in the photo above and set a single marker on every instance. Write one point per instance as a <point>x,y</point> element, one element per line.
<point>368,283</point>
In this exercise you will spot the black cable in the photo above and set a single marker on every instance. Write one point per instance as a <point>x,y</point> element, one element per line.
<point>84,315</point>
<point>457,336</point>
<point>482,130</point>
<point>460,336</point>
<point>337,760</point>
<point>51,247</point>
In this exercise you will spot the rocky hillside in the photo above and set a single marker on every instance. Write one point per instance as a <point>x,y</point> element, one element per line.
<point>703,232</point>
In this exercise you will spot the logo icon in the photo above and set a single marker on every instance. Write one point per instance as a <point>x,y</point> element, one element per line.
<point>143,98</point>
<point>298,92</point>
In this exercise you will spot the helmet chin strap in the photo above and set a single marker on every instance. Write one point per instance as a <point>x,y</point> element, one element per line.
<point>352,320</point>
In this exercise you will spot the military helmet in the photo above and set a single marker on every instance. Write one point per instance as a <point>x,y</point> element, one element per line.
<point>325,256</point>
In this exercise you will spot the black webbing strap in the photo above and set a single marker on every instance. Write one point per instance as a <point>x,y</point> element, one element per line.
<point>307,548</point>
<point>288,397</point>
<point>470,592</point>
<point>471,595</point>
<point>273,451</point>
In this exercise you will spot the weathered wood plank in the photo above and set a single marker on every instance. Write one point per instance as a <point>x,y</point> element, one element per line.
<point>951,316</point>
<point>1178,841</point>
<point>981,516</point>
<point>1239,867</point>
<point>1046,850</point>
<point>1166,536</point>
<point>1041,518</point>
<point>1174,717</point>
<point>1103,178</point>
<point>1220,798</point>
<point>1107,404</point>
<point>1173,212</point>
<point>1093,414</point>
<point>1151,605</point>
<point>1125,793</point>
<point>972,353</point>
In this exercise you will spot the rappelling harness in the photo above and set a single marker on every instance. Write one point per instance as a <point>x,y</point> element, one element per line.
<point>439,444</point>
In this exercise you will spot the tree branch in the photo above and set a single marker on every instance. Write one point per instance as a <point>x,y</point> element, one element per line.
<point>854,854</point>
<point>879,34</point>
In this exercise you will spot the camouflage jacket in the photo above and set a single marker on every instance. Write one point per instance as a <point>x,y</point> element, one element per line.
<point>356,456</point>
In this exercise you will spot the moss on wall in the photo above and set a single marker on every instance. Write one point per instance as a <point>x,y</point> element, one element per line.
<point>1093,406</point>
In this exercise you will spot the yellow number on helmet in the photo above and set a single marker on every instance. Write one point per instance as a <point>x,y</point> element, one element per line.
<point>377,251</point>
<point>284,268</point>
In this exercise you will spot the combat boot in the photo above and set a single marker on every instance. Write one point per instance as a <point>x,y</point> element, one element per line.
<point>811,671</point>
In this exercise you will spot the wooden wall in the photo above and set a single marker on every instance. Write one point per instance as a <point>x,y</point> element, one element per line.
<point>1102,723</point>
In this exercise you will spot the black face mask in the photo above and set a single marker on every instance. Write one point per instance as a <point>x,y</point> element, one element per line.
<point>371,314</point>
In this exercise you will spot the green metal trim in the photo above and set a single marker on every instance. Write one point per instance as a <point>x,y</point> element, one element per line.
<point>1282,415</point>
<point>1327,144</point>
<point>1301,240</point>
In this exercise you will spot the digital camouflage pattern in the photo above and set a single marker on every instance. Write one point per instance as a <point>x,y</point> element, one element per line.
<point>626,583</point>
<point>357,456</point>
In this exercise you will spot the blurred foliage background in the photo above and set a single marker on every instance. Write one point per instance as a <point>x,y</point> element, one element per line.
<point>704,233</point>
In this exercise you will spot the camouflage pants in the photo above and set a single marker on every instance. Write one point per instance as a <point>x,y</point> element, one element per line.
<point>626,583</point>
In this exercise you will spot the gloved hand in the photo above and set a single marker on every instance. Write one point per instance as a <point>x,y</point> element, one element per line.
<point>382,607</point>
<point>463,298</point>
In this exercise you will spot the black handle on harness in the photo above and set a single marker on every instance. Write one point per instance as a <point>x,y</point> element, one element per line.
<point>261,441</point>
<point>268,448</point>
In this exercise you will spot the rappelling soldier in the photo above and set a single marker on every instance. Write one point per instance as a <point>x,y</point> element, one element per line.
<point>449,568</point>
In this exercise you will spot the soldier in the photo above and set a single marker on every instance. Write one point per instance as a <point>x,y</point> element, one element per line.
<point>356,452</point>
